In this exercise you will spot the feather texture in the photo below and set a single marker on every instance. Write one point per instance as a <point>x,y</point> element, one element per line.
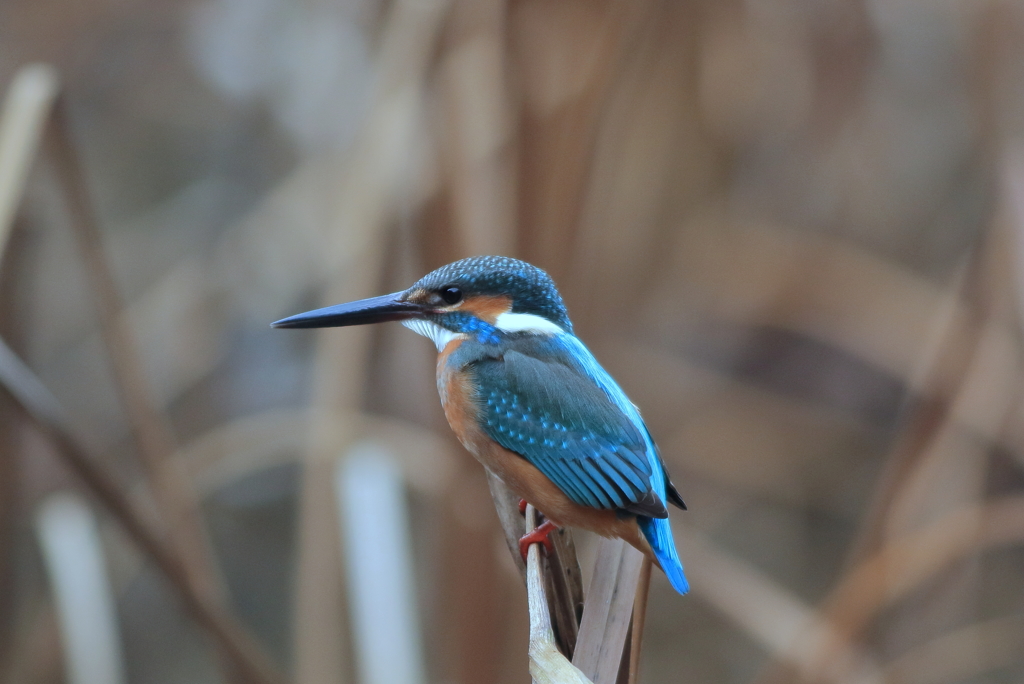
<point>534,401</point>
<point>547,399</point>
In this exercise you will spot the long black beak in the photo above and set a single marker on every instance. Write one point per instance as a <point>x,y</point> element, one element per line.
<point>373,310</point>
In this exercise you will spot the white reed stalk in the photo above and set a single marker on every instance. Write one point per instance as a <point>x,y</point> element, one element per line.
<point>378,556</point>
<point>547,665</point>
<point>73,554</point>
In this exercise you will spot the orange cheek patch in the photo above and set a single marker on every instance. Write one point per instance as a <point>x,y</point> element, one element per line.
<point>487,308</point>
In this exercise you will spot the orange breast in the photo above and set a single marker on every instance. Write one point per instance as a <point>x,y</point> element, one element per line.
<point>457,397</point>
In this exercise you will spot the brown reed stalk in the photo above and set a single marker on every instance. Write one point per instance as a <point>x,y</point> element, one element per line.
<point>954,369</point>
<point>565,587</point>
<point>956,346</point>
<point>46,414</point>
<point>9,476</point>
<point>371,182</point>
<point>562,576</point>
<point>602,647</point>
<point>25,107</point>
<point>27,116</point>
<point>643,588</point>
<point>151,429</point>
<point>608,612</point>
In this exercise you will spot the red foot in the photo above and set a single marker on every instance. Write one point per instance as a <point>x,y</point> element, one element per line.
<point>522,507</point>
<point>538,536</point>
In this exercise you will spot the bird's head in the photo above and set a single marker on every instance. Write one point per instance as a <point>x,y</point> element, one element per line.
<point>481,297</point>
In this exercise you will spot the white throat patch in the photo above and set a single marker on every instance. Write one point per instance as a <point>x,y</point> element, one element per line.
<point>440,336</point>
<point>524,322</point>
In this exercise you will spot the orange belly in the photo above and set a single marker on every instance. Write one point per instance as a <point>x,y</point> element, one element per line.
<point>521,476</point>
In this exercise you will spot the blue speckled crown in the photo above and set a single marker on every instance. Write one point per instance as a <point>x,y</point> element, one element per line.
<point>531,289</point>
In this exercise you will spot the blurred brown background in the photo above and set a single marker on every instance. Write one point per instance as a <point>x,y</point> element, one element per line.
<point>790,229</point>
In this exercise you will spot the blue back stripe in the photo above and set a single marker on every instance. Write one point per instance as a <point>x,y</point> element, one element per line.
<point>599,375</point>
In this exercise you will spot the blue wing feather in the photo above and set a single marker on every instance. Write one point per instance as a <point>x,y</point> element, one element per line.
<point>536,402</point>
<point>547,399</point>
<point>659,536</point>
<point>579,353</point>
<point>657,531</point>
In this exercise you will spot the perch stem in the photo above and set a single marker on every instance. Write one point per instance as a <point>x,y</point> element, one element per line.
<point>639,616</point>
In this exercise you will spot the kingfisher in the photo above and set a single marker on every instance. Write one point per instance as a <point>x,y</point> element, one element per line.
<point>527,398</point>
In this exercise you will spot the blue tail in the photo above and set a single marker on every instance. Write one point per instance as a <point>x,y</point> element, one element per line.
<point>659,536</point>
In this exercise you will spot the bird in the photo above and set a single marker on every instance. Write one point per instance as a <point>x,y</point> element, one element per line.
<point>527,398</point>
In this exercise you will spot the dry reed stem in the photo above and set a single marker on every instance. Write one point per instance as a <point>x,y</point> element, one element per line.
<point>570,56</point>
<point>30,109</point>
<point>25,111</point>
<point>375,175</point>
<point>547,664</point>
<point>46,414</point>
<point>821,644</point>
<point>777,268</point>
<point>565,589</point>
<point>906,563</point>
<point>12,432</point>
<point>235,448</point>
<point>608,611</point>
<point>37,653</point>
<point>755,274</point>
<point>962,654</point>
<point>868,587</point>
<point>10,436</point>
<point>563,578</point>
<point>643,587</point>
<point>641,109</point>
<point>782,624</point>
<point>320,622</point>
<point>151,428</point>
<point>956,347</point>
<point>481,167</point>
<point>507,506</point>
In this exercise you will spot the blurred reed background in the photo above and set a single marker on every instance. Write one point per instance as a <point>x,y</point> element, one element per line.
<point>790,229</point>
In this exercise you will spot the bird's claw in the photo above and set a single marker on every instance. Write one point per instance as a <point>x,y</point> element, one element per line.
<point>541,535</point>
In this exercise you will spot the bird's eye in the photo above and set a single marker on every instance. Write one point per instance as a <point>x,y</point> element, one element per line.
<point>451,295</point>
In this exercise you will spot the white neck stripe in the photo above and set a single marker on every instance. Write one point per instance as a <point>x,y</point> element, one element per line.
<point>524,322</point>
<point>506,322</point>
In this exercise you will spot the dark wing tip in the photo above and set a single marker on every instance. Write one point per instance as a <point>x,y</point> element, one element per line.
<point>674,498</point>
<point>650,506</point>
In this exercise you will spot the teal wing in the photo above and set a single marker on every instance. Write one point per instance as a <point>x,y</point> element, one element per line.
<point>562,422</point>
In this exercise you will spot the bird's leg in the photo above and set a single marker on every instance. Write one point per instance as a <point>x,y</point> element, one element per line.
<point>522,506</point>
<point>539,536</point>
